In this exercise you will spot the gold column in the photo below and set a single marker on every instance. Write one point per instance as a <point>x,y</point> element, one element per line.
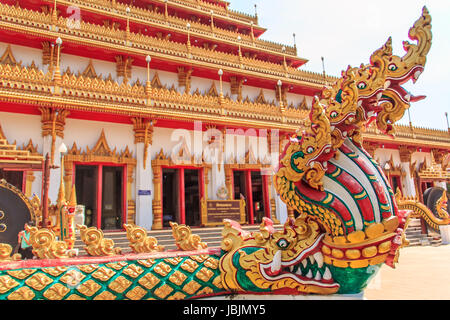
<point>29,183</point>
<point>131,205</point>
<point>229,181</point>
<point>157,198</point>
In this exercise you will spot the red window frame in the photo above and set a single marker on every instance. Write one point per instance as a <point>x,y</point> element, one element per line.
<point>99,188</point>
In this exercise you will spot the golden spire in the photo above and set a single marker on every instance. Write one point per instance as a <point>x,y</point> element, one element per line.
<point>73,197</point>
<point>62,191</point>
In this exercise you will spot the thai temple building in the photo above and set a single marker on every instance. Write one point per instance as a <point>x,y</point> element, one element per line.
<point>156,111</point>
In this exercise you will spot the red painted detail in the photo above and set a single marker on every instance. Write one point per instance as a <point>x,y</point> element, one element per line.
<point>99,188</point>
<point>95,18</point>
<point>367,169</point>
<point>106,54</point>
<point>336,205</point>
<point>124,195</point>
<point>354,187</point>
<point>182,196</point>
<point>99,195</point>
<point>249,191</point>
<point>265,182</point>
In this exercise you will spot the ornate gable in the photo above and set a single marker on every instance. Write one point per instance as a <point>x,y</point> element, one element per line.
<point>8,57</point>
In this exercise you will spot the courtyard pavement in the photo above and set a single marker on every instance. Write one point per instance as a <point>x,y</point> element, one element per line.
<point>423,273</point>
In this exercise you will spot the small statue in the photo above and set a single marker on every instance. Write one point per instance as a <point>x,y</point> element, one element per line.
<point>184,238</point>
<point>96,244</point>
<point>140,242</point>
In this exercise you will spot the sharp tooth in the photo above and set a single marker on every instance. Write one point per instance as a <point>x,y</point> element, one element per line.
<point>275,266</point>
<point>291,268</point>
<point>387,84</point>
<point>299,271</point>
<point>332,128</point>
<point>344,133</point>
<point>417,74</point>
<point>408,97</point>
<point>309,274</point>
<point>379,95</point>
<point>324,164</point>
<point>319,258</point>
<point>327,274</point>
<point>351,118</point>
<point>311,259</point>
<point>318,277</point>
<point>304,263</point>
<point>360,103</point>
<point>311,164</point>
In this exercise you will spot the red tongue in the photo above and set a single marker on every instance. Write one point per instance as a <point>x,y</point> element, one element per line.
<point>417,98</point>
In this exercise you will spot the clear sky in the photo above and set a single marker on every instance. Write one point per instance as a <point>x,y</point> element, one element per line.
<point>346,33</point>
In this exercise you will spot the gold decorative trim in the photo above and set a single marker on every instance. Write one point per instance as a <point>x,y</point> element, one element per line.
<point>96,244</point>
<point>184,238</point>
<point>422,211</point>
<point>45,245</point>
<point>140,242</point>
<point>6,253</point>
<point>10,154</point>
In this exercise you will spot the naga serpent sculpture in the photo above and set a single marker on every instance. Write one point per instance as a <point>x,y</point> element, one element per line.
<point>349,223</point>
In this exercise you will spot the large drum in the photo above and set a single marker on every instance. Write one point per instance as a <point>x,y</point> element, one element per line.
<point>15,211</point>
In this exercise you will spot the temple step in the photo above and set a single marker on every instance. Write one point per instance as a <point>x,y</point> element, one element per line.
<point>416,238</point>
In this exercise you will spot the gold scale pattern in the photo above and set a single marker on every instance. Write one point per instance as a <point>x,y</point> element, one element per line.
<point>149,279</point>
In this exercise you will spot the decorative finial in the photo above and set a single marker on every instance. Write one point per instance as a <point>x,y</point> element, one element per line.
<point>323,70</point>
<point>446,117</point>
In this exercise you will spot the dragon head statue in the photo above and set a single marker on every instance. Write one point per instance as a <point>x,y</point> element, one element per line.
<point>399,70</point>
<point>307,153</point>
<point>352,101</point>
<point>288,261</point>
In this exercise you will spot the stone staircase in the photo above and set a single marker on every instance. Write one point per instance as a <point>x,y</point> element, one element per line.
<point>416,238</point>
<point>212,236</point>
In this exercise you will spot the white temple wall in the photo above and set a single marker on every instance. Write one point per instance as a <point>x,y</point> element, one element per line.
<point>79,64</point>
<point>86,133</point>
<point>166,78</point>
<point>253,93</point>
<point>26,55</point>
<point>383,155</point>
<point>419,157</point>
<point>21,128</point>
<point>297,99</point>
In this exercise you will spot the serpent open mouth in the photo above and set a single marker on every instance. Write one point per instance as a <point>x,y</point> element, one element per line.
<point>307,268</point>
<point>394,87</point>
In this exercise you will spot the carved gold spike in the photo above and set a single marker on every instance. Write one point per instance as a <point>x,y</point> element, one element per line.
<point>441,206</point>
<point>5,253</point>
<point>184,238</point>
<point>45,245</point>
<point>140,242</point>
<point>96,243</point>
